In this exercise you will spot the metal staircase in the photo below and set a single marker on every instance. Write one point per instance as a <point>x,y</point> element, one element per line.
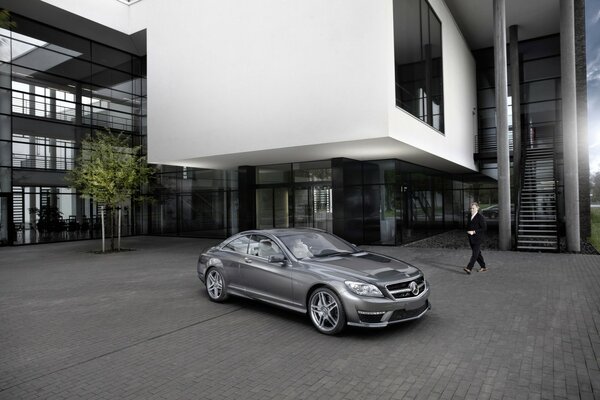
<point>537,226</point>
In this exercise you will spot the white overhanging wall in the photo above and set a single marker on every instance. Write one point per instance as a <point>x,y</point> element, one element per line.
<point>236,82</point>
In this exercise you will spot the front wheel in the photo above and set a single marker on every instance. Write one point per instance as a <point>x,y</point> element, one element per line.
<point>215,285</point>
<point>326,311</point>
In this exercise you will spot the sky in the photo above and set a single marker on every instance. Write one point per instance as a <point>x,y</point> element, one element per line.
<point>592,22</point>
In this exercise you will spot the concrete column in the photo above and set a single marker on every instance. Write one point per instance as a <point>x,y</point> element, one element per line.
<point>504,234</point>
<point>515,92</point>
<point>569,123</point>
<point>582,127</point>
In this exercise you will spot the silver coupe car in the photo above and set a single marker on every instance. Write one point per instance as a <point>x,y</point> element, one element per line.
<point>315,272</point>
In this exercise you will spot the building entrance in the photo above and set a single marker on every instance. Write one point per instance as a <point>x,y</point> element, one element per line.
<point>306,206</point>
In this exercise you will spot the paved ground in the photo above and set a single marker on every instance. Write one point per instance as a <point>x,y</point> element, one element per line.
<point>138,325</point>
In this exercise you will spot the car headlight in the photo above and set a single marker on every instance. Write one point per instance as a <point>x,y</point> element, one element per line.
<point>364,289</point>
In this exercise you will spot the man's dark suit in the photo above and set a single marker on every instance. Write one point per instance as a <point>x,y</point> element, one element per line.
<point>477,224</point>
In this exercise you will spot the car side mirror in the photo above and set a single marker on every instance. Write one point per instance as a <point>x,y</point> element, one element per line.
<point>276,258</point>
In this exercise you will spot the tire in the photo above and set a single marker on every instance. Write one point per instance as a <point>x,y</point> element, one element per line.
<point>326,311</point>
<point>216,288</point>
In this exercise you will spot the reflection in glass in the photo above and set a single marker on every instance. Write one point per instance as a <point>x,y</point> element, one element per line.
<point>264,208</point>
<point>418,58</point>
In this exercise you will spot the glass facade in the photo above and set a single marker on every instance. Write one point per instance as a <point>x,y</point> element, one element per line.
<point>193,202</point>
<point>540,104</point>
<point>385,202</point>
<point>540,94</point>
<point>418,58</point>
<point>57,88</point>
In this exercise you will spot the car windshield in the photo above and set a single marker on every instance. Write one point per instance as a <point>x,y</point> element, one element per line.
<point>316,244</point>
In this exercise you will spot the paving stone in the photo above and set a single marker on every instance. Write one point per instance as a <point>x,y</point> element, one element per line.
<point>138,325</point>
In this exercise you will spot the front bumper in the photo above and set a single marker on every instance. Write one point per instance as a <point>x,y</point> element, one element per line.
<point>376,312</point>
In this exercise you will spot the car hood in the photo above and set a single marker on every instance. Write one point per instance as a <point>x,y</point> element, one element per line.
<point>366,266</point>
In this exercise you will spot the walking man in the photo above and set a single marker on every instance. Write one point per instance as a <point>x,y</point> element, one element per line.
<point>476,231</point>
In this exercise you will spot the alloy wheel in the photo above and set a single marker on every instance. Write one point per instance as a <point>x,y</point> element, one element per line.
<point>326,311</point>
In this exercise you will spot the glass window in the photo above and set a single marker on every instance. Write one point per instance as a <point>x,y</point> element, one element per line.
<point>270,174</point>
<point>318,171</point>
<point>239,245</point>
<point>544,68</point>
<point>418,59</point>
<point>540,91</point>
<point>262,246</point>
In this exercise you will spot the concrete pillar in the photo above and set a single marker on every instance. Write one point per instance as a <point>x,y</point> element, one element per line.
<point>582,127</point>
<point>504,234</point>
<point>569,123</point>
<point>515,92</point>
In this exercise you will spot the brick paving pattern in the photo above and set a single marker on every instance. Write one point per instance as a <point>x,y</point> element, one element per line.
<point>138,325</point>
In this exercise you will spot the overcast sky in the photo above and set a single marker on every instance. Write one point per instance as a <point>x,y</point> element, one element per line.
<point>592,22</point>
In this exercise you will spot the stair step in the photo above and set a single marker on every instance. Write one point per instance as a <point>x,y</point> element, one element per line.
<point>525,226</point>
<point>548,231</point>
<point>536,248</point>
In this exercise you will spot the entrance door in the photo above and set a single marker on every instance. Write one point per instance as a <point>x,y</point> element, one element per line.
<point>313,207</point>
<point>272,208</point>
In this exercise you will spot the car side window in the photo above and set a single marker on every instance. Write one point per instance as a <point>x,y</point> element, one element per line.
<point>239,245</point>
<point>263,247</point>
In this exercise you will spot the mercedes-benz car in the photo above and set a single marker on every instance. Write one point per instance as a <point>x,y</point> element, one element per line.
<point>316,273</point>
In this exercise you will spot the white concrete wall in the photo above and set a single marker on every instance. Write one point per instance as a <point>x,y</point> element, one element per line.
<point>456,144</point>
<point>230,76</point>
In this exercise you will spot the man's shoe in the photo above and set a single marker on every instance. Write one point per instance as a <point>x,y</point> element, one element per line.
<point>467,270</point>
<point>482,269</point>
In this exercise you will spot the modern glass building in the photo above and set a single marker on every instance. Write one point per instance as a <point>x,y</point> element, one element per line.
<point>382,135</point>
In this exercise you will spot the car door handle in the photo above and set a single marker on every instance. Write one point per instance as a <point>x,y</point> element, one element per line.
<point>249,261</point>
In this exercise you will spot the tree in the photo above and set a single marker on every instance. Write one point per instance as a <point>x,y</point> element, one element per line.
<point>595,186</point>
<point>5,21</point>
<point>110,172</point>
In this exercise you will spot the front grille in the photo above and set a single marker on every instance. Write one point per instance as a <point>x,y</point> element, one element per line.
<point>402,290</point>
<point>400,315</point>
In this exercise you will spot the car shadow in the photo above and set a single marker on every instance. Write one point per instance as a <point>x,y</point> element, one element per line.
<point>303,320</point>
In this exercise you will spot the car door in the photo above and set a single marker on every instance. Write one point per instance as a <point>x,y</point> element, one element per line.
<point>271,282</point>
<point>233,254</point>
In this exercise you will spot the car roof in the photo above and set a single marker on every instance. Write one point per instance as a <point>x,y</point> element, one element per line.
<point>282,231</point>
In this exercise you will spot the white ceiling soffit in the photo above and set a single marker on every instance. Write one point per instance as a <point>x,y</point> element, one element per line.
<point>535,18</point>
<point>367,149</point>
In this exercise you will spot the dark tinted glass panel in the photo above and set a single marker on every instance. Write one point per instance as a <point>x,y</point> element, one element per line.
<point>111,58</point>
<point>318,171</point>
<point>273,174</point>
<point>486,98</point>
<point>485,78</point>
<point>418,61</point>
<point>539,48</point>
<point>546,111</point>
<point>380,172</point>
<point>541,69</point>
<point>540,91</point>
<point>50,61</point>
<point>110,78</point>
<point>487,118</point>
<point>62,41</point>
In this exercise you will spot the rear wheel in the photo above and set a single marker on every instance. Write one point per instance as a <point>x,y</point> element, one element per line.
<point>215,285</point>
<point>326,311</point>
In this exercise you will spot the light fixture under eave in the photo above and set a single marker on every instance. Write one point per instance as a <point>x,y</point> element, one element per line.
<point>128,2</point>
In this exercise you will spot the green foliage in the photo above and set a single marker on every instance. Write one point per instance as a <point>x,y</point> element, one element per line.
<point>109,171</point>
<point>595,238</point>
<point>595,187</point>
<point>5,21</point>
